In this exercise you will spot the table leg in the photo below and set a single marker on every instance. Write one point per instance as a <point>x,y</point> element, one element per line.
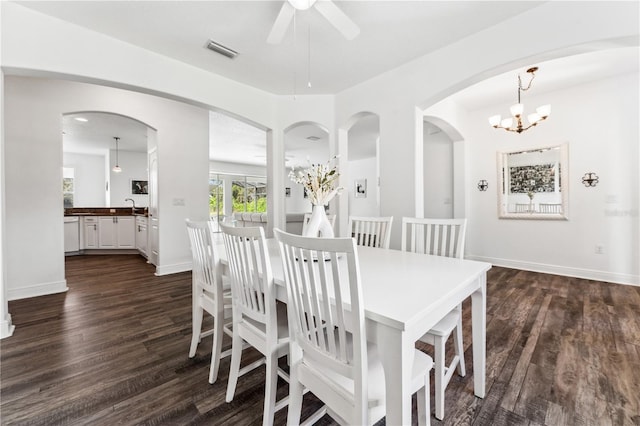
<point>479,329</point>
<point>396,355</point>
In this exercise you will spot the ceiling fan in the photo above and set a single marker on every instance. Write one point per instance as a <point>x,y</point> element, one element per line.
<point>327,8</point>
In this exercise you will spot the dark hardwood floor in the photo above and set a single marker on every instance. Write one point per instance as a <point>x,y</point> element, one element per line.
<point>113,350</point>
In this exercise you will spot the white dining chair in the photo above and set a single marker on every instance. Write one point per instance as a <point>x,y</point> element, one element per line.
<point>371,231</point>
<point>329,353</point>
<point>440,237</point>
<point>257,318</point>
<point>208,293</point>
<point>307,217</point>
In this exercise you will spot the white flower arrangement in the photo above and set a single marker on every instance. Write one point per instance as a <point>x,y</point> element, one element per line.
<point>319,182</point>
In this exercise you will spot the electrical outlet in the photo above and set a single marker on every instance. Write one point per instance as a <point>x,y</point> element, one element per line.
<point>599,249</point>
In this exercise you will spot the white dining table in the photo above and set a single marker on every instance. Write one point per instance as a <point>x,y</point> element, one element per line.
<point>405,295</point>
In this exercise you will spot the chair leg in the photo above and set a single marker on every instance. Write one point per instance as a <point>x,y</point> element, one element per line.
<point>296,392</point>
<point>270,388</point>
<point>234,370</point>
<point>441,384</point>
<point>424,408</point>
<point>196,327</point>
<point>459,347</point>
<point>216,349</point>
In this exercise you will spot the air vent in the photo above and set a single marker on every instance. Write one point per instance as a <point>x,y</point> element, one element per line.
<point>223,50</point>
<point>313,138</point>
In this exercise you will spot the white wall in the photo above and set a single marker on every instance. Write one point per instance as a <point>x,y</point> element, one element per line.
<point>599,121</point>
<point>33,155</point>
<point>400,96</point>
<point>358,170</point>
<point>438,175</point>
<point>134,167</point>
<point>237,169</point>
<point>6,326</point>
<point>296,203</point>
<point>88,179</point>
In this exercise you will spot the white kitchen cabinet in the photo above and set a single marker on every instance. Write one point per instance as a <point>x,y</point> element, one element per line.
<point>116,232</point>
<point>141,235</point>
<point>90,228</point>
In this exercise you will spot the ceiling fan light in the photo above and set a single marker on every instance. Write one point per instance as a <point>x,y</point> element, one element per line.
<point>544,110</point>
<point>301,4</point>
<point>494,120</point>
<point>516,109</point>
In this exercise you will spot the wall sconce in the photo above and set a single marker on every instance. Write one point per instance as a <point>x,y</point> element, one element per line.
<point>590,179</point>
<point>483,185</point>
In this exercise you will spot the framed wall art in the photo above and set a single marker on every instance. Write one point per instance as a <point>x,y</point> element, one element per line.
<point>360,189</point>
<point>139,187</point>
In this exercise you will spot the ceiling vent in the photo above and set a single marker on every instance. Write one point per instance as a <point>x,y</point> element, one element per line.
<point>223,50</point>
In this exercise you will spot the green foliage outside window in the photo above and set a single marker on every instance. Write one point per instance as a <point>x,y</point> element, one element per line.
<point>248,194</point>
<point>67,192</point>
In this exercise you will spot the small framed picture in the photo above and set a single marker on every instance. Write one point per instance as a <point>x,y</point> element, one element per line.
<point>360,190</point>
<point>287,192</point>
<point>139,187</point>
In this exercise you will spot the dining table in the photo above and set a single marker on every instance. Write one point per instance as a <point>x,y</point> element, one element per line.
<point>405,294</point>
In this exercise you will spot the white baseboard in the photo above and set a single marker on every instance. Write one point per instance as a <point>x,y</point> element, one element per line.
<point>173,269</point>
<point>6,328</point>
<point>590,274</point>
<point>37,290</point>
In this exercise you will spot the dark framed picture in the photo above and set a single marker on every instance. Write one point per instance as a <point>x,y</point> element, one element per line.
<point>139,187</point>
<point>360,189</point>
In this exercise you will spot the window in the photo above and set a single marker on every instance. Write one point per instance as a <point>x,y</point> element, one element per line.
<point>249,194</point>
<point>216,198</point>
<point>242,194</point>
<point>67,186</point>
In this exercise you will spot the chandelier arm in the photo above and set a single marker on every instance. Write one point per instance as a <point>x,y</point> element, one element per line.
<point>533,75</point>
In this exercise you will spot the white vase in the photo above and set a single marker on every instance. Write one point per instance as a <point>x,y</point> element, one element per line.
<point>319,225</point>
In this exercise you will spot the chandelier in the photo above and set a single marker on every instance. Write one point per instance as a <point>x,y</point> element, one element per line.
<point>514,124</point>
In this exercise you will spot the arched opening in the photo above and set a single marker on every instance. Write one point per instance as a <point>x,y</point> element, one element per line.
<point>305,143</point>
<point>439,168</point>
<point>90,154</point>
<point>237,171</point>
<point>358,145</point>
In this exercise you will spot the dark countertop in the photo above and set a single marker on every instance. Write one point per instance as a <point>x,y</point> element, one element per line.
<point>106,211</point>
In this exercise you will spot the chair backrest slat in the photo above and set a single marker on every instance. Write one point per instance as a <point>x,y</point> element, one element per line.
<point>371,231</point>
<point>324,301</point>
<point>250,271</point>
<point>440,237</point>
<point>206,270</point>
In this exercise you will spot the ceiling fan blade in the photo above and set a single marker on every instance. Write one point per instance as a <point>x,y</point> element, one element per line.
<point>337,18</point>
<point>282,23</point>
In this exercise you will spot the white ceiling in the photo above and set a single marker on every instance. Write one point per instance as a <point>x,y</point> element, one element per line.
<point>392,33</point>
<point>96,135</point>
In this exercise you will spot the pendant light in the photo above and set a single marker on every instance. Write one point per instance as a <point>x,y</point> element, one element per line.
<point>514,124</point>
<point>116,168</point>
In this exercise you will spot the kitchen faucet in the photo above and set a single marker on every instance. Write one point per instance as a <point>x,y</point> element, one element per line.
<point>133,208</point>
